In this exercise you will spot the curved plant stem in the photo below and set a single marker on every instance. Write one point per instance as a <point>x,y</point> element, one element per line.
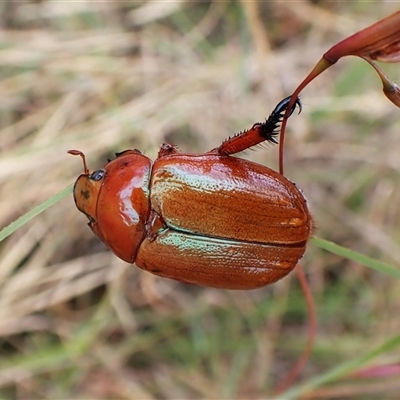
<point>312,330</point>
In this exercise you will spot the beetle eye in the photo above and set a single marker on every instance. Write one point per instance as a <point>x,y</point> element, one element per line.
<point>97,175</point>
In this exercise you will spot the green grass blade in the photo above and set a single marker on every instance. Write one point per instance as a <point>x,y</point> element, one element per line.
<point>341,370</point>
<point>360,258</point>
<point>9,229</point>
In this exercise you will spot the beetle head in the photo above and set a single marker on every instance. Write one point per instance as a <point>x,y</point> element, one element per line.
<point>116,201</point>
<point>87,188</point>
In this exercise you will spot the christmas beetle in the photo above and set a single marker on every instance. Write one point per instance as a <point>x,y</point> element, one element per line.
<point>208,219</point>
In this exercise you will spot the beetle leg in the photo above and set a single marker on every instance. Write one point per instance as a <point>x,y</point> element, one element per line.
<point>155,225</point>
<point>167,149</point>
<point>259,132</point>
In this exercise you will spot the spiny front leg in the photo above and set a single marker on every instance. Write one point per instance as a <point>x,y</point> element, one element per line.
<point>259,132</point>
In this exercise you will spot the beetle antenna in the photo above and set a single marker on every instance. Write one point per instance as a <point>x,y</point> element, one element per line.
<point>79,153</point>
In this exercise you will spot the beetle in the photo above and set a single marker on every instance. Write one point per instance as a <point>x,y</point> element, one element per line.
<point>209,219</point>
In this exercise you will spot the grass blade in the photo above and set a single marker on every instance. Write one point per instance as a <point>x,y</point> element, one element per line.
<point>9,229</point>
<point>358,257</point>
<point>341,370</point>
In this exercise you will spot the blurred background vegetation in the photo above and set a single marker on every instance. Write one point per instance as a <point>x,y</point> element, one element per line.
<point>102,77</point>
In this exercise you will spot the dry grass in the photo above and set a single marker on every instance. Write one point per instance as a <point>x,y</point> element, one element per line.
<point>105,76</point>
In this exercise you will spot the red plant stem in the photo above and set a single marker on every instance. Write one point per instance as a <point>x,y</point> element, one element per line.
<point>312,331</point>
<point>378,41</point>
<point>321,66</point>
